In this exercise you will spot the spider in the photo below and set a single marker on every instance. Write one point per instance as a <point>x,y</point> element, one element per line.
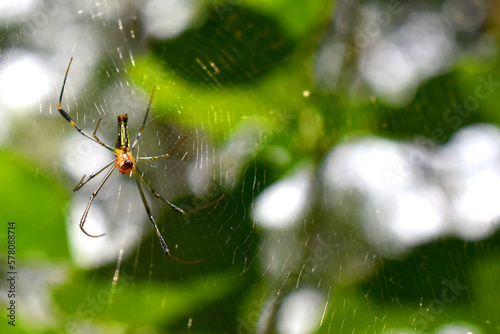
<point>126,164</point>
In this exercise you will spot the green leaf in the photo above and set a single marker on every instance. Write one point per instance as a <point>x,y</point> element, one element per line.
<point>298,19</point>
<point>34,202</point>
<point>236,49</point>
<point>136,303</point>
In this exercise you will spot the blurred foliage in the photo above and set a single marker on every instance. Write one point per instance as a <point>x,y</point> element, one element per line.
<point>35,201</point>
<point>137,302</point>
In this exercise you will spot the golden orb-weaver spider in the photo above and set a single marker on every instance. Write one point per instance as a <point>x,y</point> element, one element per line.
<point>126,164</point>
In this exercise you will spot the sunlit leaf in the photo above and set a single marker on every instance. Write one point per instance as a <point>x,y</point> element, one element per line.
<point>35,203</point>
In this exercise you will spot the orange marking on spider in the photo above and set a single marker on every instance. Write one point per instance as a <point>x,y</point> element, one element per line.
<point>125,162</point>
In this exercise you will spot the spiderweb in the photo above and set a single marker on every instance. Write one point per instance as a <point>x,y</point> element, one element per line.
<point>339,171</point>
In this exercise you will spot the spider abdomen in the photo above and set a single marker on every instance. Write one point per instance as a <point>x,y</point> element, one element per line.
<point>125,162</point>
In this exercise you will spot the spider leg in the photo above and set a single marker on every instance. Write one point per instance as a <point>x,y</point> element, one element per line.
<point>97,139</point>
<point>206,205</point>
<point>139,134</point>
<point>92,196</point>
<point>163,155</point>
<point>151,218</point>
<point>176,208</point>
<point>70,120</point>
<point>82,182</point>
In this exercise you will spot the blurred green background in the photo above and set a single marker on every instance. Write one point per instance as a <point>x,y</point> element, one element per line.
<point>306,116</point>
